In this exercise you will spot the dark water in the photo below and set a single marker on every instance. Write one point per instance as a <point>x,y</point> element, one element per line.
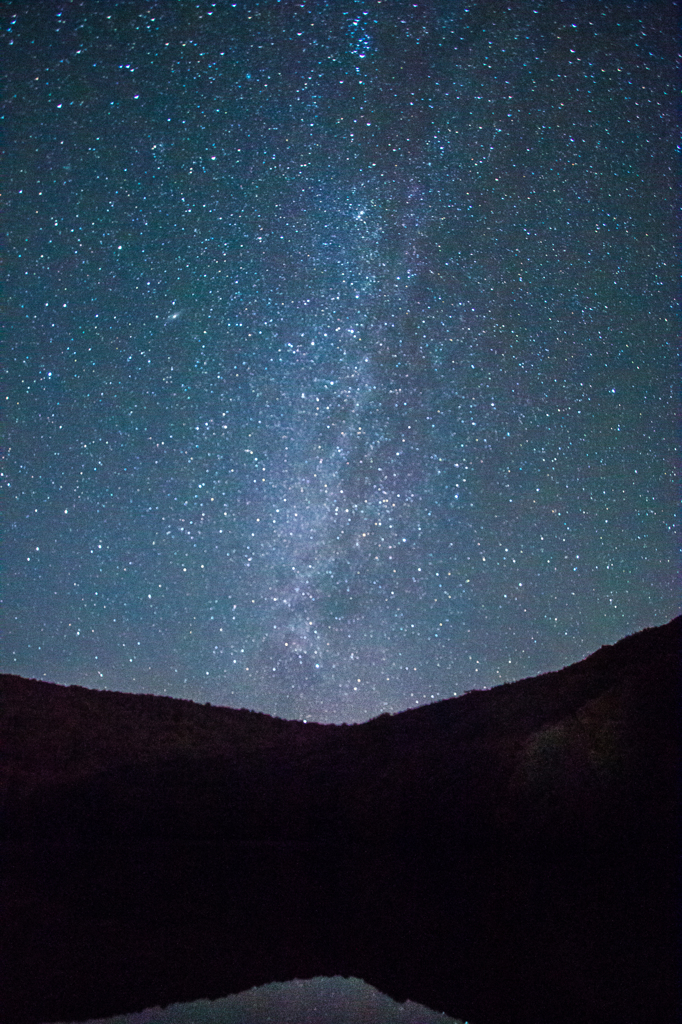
<point>313,1001</point>
<point>485,937</point>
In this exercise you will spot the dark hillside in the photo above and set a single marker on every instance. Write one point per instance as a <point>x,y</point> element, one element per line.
<point>51,734</point>
<point>588,752</point>
<point>509,857</point>
<point>589,749</point>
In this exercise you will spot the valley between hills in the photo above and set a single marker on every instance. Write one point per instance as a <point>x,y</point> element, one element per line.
<point>510,856</point>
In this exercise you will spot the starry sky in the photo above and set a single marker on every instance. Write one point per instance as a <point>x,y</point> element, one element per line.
<point>341,364</point>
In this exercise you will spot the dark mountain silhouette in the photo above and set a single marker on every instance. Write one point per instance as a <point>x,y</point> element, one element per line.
<point>508,855</point>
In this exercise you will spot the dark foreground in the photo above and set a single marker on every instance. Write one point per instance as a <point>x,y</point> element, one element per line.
<point>485,938</point>
<point>509,857</point>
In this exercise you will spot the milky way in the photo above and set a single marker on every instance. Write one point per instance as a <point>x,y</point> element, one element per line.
<point>341,344</point>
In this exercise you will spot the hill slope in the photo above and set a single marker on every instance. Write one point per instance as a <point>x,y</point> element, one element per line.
<point>589,752</point>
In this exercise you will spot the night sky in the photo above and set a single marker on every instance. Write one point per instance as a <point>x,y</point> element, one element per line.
<point>341,363</point>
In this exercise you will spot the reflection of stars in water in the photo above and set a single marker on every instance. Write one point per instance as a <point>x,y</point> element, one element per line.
<point>344,359</point>
<point>297,1002</point>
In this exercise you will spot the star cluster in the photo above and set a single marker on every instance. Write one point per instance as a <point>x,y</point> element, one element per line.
<point>341,353</point>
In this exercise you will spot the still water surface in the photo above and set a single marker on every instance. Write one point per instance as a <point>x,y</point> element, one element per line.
<point>314,1001</point>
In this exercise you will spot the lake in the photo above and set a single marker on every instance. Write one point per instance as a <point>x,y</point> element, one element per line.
<point>488,936</point>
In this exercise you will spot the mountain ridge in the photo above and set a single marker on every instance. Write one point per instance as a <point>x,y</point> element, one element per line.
<point>537,756</point>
